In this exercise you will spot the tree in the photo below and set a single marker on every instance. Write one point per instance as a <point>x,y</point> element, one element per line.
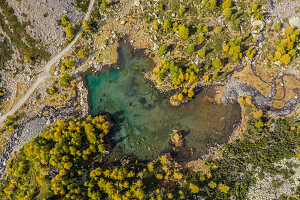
<point>181,10</point>
<point>226,48</point>
<point>285,59</point>
<point>255,7</point>
<point>259,124</point>
<point>86,27</point>
<point>212,184</point>
<point>65,21</point>
<point>180,97</point>
<point>211,4</point>
<point>183,31</point>
<point>217,63</point>
<point>227,13</point>
<point>80,54</point>
<point>191,48</point>
<point>289,30</point>
<point>201,39</point>
<point>277,26</point>
<point>223,188</point>
<point>65,79</point>
<point>194,188</point>
<point>70,30</point>
<point>69,62</point>
<point>191,93</point>
<point>226,4</point>
<point>166,25</point>
<point>104,4</point>
<point>163,49</point>
<point>202,53</point>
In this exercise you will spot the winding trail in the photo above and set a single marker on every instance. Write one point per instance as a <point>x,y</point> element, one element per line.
<point>45,72</point>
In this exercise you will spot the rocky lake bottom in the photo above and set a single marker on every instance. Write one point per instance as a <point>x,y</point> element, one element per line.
<point>144,118</point>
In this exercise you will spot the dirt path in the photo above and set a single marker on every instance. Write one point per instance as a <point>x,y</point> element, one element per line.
<point>45,72</point>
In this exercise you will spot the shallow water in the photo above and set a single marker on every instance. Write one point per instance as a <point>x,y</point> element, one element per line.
<point>144,118</point>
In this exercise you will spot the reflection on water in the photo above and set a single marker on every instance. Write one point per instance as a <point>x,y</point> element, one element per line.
<point>144,118</point>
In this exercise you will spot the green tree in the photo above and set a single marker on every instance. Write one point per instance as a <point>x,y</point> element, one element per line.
<point>202,53</point>
<point>80,54</point>
<point>191,48</point>
<point>277,26</point>
<point>211,4</point>
<point>227,13</point>
<point>201,39</point>
<point>65,79</point>
<point>217,63</point>
<point>181,10</point>
<point>167,25</point>
<point>69,62</point>
<point>104,4</point>
<point>163,49</point>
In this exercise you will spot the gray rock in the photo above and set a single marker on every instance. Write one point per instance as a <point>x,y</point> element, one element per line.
<point>295,22</point>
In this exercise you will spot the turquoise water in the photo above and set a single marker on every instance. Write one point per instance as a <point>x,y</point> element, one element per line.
<point>144,117</point>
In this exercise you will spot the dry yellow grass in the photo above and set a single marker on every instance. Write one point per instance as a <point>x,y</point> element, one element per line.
<point>264,73</point>
<point>277,104</point>
<point>280,90</point>
<point>247,76</point>
<point>290,83</point>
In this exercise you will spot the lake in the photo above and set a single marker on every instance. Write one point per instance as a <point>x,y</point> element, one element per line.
<point>144,118</point>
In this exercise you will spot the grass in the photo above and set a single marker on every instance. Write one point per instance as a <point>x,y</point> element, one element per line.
<point>247,76</point>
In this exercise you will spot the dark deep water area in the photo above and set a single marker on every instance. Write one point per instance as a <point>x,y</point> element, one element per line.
<point>144,118</point>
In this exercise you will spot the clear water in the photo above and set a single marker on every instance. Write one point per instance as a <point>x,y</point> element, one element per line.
<point>144,117</point>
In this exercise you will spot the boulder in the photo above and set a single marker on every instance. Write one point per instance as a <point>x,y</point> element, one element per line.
<point>294,22</point>
<point>137,3</point>
<point>259,24</point>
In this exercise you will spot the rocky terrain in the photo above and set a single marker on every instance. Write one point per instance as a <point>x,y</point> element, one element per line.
<point>264,189</point>
<point>29,128</point>
<point>43,16</point>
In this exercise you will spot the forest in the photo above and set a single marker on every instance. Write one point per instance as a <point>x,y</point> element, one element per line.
<point>66,162</point>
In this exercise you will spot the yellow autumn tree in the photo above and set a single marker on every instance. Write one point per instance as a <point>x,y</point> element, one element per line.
<point>194,188</point>
<point>70,30</point>
<point>183,31</point>
<point>285,59</point>
<point>223,188</point>
<point>180,97</point>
